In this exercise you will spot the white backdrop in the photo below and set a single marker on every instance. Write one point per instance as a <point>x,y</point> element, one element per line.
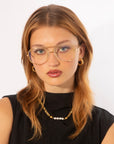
<point>98,18</point>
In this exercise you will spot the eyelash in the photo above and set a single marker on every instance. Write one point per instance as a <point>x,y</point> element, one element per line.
<point>38,50</point>
<point>65,47</point>
<point>61,49</point>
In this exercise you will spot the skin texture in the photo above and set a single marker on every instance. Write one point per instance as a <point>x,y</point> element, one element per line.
<point>109,137</point>
<point>6,120</point>
<point>50,36</point>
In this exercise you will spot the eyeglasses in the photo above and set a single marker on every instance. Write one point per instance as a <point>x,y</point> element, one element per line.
<point>64,52</point>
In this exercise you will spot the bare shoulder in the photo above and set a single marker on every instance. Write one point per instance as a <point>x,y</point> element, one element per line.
<point>5,107</point>
<point>109,137</point>
<point>6,120</point>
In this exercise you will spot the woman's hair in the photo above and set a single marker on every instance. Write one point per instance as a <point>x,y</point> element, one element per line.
<point>56,16</point>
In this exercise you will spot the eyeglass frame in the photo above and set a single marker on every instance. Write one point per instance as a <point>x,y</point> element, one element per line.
<point>54,51</point>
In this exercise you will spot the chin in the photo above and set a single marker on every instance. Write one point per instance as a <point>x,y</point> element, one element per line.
<point>55,82</point>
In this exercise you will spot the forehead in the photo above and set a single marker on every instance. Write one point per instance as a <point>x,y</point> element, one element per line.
<point>51,35</point>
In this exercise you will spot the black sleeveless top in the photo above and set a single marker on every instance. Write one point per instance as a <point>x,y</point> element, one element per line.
<point>57,131</point>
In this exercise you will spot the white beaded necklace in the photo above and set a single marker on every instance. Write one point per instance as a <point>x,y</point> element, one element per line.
<point>55,118</point>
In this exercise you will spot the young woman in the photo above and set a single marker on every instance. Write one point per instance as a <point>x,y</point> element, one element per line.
<point>56,106</point>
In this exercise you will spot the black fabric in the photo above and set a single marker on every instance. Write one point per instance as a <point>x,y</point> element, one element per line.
<point>57,131</point>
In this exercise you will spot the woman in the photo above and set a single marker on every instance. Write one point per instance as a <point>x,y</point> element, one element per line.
<point>56,106</point>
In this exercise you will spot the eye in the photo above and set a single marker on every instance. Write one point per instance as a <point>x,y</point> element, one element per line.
<point>40,51</point>
<point>64,48</point>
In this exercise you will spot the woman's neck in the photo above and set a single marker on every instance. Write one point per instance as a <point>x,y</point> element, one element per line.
<point>56,89</point>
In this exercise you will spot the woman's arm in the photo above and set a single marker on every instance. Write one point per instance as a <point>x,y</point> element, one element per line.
<point>6,120</point>
<point>109,137</point>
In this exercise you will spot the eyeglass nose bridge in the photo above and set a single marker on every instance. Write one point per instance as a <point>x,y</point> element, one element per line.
<point>53,51</point>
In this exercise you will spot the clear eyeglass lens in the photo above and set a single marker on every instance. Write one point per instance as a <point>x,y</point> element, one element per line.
<point>63,52</point>
<point>66,53</point>
<point>38,56</point>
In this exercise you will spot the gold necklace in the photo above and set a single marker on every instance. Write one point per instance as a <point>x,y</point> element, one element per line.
<point>55,118</point>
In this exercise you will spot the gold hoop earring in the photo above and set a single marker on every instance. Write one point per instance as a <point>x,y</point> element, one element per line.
<point>33,69</point>
<point>80,62</point>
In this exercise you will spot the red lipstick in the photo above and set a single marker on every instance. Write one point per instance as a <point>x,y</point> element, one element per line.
<point>54,73</point>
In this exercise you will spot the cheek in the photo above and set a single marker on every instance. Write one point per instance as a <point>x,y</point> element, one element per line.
<point>39,71</point>
<point>71,67</point>
<point>74,64</point>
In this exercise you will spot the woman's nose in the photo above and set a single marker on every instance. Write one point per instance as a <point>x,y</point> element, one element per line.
<point>52,59</point>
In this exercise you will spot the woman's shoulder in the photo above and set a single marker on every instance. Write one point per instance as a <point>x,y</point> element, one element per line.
<point>12,98</point>
<point>102,120</point>
<point>6,119</point>
<point>16,107</point>
<point>5,104</point>
<point>102,114</point>
<point>13,101</point>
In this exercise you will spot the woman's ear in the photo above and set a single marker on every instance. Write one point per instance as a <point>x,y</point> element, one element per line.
<point>82,51</point>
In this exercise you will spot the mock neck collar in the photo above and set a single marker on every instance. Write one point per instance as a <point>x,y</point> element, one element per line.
<point>58,100</point>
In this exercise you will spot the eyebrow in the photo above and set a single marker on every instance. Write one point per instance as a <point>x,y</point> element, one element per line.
<point>62,42</point>
<point>56,44</point>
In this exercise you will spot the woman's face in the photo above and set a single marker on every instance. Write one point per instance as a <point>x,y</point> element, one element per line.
<point>57,75</point>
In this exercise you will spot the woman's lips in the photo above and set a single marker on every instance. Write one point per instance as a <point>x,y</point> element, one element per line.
<point>54,73</point>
